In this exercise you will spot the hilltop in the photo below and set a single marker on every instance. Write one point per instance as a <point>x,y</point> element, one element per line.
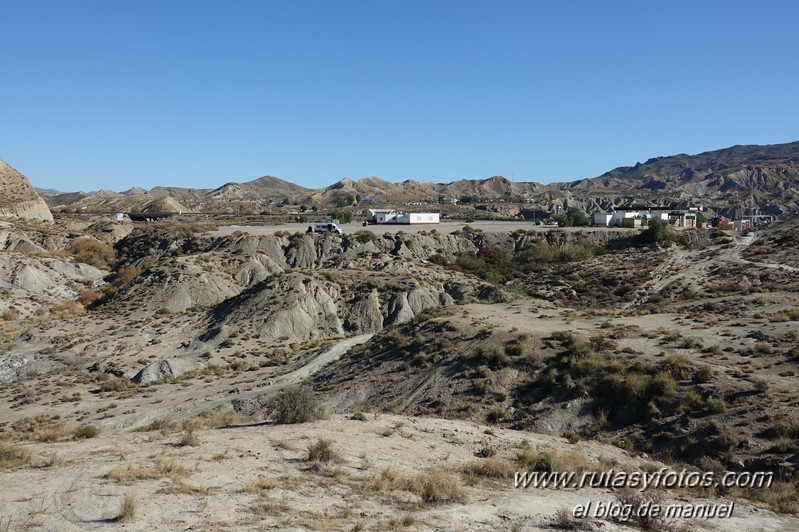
<point>721,179</point>
<point>18,199</point>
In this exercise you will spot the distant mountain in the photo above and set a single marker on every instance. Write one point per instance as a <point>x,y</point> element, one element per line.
<point>47,191</point>
<point>720,178</point>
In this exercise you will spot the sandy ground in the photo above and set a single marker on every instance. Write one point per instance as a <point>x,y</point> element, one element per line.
<point>210,486</point>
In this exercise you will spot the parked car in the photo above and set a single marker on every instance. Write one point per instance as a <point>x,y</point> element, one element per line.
<point>324,228</point>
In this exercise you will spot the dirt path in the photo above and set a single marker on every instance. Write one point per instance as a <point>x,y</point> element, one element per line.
<point>689,267</point>
<point>317,362</point>
<point>193,405</point>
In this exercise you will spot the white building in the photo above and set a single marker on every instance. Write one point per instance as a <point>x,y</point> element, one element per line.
<point>407,218</point>
<point>602,219</point>
<point>618,217</point>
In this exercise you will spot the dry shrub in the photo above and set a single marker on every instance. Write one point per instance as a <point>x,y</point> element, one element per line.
<point>164,425</point>
<point>87,297</point>
<point>572,460</point>
<point>389,479</point>
<point>125,275</point>
<point>322,451</point>
<point>260,485</point>
<point>92,252</point>
<point>54,433</point>
<point>11,314</point>
<point>213,419</point>
<point>179,486</point>
<point>493,467</point>
<point>188,439</point>
<point>12,456</point>
<point>634,499</point>
<point>71,307</point>
<point>545,460</point>
<point>85,432</point>
<point>534,460</point>
<point>678,367</point>
<point>161,467</point>
<point>781,496</point>
<point>436,486</point>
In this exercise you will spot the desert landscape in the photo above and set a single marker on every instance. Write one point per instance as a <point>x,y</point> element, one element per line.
<point>221,368</point>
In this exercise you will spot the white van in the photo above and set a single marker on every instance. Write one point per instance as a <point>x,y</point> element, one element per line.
<point>324,228</point>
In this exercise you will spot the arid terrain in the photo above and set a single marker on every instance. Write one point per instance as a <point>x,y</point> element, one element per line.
<point>175,375</point>
<point>724,180</point>
<point>143,365</point>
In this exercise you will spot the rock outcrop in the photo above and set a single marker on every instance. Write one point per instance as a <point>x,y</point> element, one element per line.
<point>168,368</point>
<point>18,198</point>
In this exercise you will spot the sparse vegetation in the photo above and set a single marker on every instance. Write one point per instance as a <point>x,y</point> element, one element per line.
<point>295,404</point>
<point>127,509</point>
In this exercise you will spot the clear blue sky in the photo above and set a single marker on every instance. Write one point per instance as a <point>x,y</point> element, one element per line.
<point>111,94</point>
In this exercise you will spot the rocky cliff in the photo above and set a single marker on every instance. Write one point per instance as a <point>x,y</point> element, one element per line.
<point>18,199</point>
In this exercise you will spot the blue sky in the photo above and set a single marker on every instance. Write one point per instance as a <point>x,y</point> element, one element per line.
<point>111,94</point>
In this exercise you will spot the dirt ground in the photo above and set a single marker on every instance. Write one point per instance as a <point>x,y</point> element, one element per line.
<point>258,477</point>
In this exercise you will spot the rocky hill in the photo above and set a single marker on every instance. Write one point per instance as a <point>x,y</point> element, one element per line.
<point>18,199</point>
<point>721,179</point>
<point>576,338</point>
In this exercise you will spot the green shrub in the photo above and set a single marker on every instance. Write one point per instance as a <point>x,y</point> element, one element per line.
<point>342,215</point>
<point>295,404</point>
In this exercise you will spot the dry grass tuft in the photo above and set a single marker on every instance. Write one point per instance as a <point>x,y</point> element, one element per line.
<point>493,467</point>
<point>13,456</point>
<point>260,485</point>
<point>179,486</point>
<point>127,510</point>
<point>437,487</point>
<point>161,467</point>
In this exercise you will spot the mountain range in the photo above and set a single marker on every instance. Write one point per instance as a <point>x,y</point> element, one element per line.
<point>724,178</point>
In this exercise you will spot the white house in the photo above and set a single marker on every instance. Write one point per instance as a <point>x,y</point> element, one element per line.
<point>602,219</point>
<point>619,216</point>
<point>407,218</point>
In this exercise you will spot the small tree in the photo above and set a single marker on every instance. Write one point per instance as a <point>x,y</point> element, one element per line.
<point>295,404</point>
<point>573,218</point>
<point>657,231</point>
<point>342,216</point>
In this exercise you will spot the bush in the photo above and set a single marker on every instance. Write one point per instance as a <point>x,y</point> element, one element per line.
<point>491,355</point>
<point>322,451</point>
<point>295,404</point>
<point>12,455</point>
<point>93,252</point>
<point>365,236</point>
<point>342,216</point>
<point>678,367</point>
<point>573,218</point>
<point>436,487</point>
<point>703,374</point>
<point>657,231</point>
<point>85,432</point>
